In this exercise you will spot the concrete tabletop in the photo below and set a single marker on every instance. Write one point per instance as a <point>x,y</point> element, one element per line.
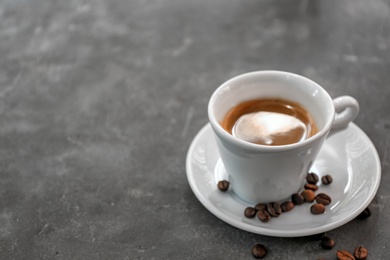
<point>100,100</point>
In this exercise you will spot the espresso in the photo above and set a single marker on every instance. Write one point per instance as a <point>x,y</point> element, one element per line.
<point>269,122</point>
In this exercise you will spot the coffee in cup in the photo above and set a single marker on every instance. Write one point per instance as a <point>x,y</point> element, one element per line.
<point>270,121</point>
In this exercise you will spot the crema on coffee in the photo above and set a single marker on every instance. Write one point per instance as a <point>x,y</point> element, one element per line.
<point>270,122</point>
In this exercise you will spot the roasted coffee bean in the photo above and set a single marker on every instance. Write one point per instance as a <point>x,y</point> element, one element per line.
<point>327,243</point>
<point>365,214</point>
<point>261,206</point>
<point>250,212</point>
<point>312,187</point>
<point>287,206</point>
<point>344,255</point>
<point>312,178</point>
<point>263,215</point>
<point>360,253</point>
<point>326,179</point>
<point>317,209</point>
<point>308,195</point>
<point>223,185</point>
<point>323,199</point>
<point>274,209</point>
<point>297,199</point>
<point>259,251</point>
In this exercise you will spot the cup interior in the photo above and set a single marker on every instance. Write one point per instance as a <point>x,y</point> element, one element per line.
<point>273,84</point>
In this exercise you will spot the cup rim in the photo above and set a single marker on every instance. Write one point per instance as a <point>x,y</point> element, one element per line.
<point>267,148</point>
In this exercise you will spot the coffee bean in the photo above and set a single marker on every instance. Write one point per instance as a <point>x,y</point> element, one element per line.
<point>326,179</point>
<point>297,199</point>
<point>323,199</point>
<point>360,253</point>
<point>263,215</point>
<point>365,214</point>
<point>274,209</point>
<point>287,206</point>
<point>259,251</point>
<point>250,212</point>
<point>327,243</point>
<point>312,178</point>
<point>223,185</point>
<point>317,209</point>
<point>312,187</point>
<point>344,255</point>
<point>261,206</point>
<point>308,195</point>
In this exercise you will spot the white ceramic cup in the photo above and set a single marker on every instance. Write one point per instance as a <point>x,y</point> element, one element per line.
<point>261,173</point>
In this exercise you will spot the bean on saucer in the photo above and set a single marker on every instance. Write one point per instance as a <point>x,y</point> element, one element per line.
<point>312,178</point>
<point>297,199</point>
<point>327,179</point>
<point>250,212</point>
<point>223,185</point>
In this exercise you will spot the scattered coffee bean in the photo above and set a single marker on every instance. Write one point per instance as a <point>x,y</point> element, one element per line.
<point>250,212</point>
<point>263,215</point>
<point>297,199</point>
<point>360,253</point>
<point>312,178</point>
<point>323,199</point>
<point>326,179</point>
<point>308,195</point>
<point>344,255</point>
<point>274,209</point>
<point>365,214</point>
<point>312,187</point>
<point>223,185</point>
<point>261,206</point>
<point>327,243</point>
<point>317,209</point>
<point>287,206</point>
<point>259,251</point>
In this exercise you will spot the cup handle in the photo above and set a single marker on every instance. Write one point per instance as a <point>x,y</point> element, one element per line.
<point>347,108</point>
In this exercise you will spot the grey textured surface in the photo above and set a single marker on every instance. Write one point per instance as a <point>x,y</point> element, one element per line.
<point>99,101</point>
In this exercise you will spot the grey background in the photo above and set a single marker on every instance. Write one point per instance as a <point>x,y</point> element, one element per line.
<point>100,100</point>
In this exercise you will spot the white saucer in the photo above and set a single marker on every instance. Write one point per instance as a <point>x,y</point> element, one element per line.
<point>348,156</point>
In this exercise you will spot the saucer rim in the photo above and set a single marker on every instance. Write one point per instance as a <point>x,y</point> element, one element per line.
<point>281,233</point>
